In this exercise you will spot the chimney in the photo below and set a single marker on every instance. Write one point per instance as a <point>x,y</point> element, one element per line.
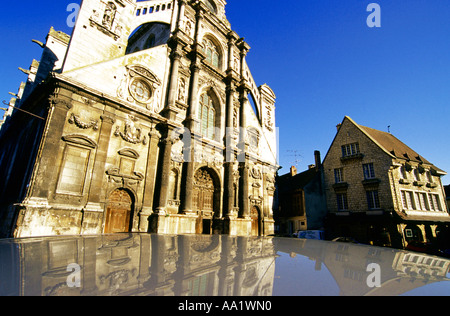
<point>293,171</point>
<point>317,159</point>
<point>338,126</point>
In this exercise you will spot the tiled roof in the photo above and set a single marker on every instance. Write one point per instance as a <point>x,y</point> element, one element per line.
<point>393,146</point>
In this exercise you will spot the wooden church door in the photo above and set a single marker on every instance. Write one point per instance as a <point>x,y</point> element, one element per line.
<point>203,199</point>
<point>118,212</point>
<point>254,215</point>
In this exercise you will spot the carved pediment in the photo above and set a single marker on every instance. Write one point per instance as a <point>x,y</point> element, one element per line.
<point>128,152</point>
<point>80,140</point>
<point>143,72</point>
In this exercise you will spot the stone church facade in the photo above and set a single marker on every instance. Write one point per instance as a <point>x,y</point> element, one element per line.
<point>147,125</point>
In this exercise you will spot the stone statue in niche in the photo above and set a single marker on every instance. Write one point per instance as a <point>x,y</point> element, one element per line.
<point>235,118</point>
<point>188,27</point>
<point>236,64</point>
<point>182,90</point>
<point>109,15</point>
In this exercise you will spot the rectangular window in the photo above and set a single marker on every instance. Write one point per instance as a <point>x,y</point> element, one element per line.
<point>405,204</point>
<point>342,201</point>
<point>369,172</point>
<point>373,200</point>
<point>408,200</point>
<point>422,201</point>
<point>435,203</point>
<point>73,170</point>
<point>350,150</point>
<point>339,175</point>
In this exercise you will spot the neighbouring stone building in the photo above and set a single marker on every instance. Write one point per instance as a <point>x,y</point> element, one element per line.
<point>447,195</point>
<point>382,192</point>
<point>143,122</point>
<point>300,200</point>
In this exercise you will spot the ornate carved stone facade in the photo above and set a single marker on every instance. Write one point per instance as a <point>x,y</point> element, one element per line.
<point>150,104</point>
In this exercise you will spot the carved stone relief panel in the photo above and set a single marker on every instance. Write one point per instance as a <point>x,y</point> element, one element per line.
<point>131,132</point>
<point>141,87</point>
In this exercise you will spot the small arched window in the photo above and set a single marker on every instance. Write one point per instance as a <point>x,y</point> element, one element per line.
<point>212,53</point>
<point>211,6</point>
<point>207,116</point>
<point>150,42</point>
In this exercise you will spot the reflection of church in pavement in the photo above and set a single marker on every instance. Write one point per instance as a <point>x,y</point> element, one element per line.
<point>141,265</point>
<point>197,265</point>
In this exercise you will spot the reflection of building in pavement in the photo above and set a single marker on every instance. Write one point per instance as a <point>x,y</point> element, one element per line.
<point>400,270</point>
<point>139,265</point>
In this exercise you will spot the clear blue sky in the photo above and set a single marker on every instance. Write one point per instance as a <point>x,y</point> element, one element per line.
<point>322,61</point>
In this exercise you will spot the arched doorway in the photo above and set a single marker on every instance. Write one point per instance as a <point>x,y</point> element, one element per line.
<point>413,233</point>
<point>118,212</point>
<point>255,218</point>
<point>205,199</point>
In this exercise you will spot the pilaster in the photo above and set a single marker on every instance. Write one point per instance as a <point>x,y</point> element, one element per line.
<point>150,178</point>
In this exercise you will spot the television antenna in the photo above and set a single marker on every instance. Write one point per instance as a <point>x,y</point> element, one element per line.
<point>297,156</point>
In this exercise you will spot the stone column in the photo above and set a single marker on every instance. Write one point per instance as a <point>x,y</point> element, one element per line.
<point>191,122</point>
<point>229,154</point>
<point>149,185</point>
<point>170,110</point>
<point>164,173</point>
<point>244,203</point>
<point>97,190</point>
<point>181,9</point>
<point>93,211</point>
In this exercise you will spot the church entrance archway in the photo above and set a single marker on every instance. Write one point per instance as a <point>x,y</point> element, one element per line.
<point>205,199</point>
<point>118,212</point>
<point>255,219</point>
